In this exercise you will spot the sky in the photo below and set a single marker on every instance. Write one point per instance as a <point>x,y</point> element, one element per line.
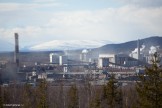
<point>38,21</point>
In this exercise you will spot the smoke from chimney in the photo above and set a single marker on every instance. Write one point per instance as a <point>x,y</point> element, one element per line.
<point>154,49</point>
<point>138,48</point>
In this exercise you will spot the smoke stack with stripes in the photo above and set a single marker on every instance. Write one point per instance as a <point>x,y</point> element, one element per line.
<point>16,57</point>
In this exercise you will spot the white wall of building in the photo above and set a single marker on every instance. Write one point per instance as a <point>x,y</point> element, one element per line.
<point>63,60</point>
<point>103,62</point>
<point>54,58</point>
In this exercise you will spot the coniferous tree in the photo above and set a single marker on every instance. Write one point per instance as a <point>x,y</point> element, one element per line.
<point>120,98</point>
<point>42,94</point>
<point>61,96</point>
<point>1,101</point>
<point>88,88</point>
<point>73,97</point>
<point>96,102</point>
<point>149,88</point>
<point>111,93</point>
<point>6,95</point>
<point>27,96</point>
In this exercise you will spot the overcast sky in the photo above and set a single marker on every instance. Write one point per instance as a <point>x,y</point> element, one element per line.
<point>39,21</point>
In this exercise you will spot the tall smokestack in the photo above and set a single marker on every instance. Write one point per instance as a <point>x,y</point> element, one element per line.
<point>16,57</point>
<point>138,47</point>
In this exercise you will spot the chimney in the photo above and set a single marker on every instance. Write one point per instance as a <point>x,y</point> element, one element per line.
<point>16,57</point>
<point>138,47</point>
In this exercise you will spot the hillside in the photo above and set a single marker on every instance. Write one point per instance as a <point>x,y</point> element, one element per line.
<point>127,47</point>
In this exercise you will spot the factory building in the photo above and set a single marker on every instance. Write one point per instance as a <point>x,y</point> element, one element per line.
<point>58,59</point>
<point>54,58</point>
<point>141,55</point>
<point>138,52</point>
<point>106,60</point>
<point>63,60</point>
<point>65,69</point>
<point>103,62</point>
<point>86,55</point>
<point>110,57</point>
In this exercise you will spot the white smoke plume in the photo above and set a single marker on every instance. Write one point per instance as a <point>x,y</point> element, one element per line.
<point>153,49</point>
<point>141,49</point>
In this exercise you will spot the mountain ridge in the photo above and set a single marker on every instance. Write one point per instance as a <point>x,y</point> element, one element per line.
<point>99,46</point>
<point>68,45</point>
<point>129,46</point>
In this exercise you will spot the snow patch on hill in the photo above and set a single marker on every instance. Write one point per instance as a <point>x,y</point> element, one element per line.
<point>69,44</point>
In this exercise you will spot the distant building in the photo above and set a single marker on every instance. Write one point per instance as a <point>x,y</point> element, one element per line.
<point>138,53</point>
<point>106,60</point>
<point>58,59</point>
<point>54,58</point>
<point>86,55</point>
<point>42,76</point>
<point>103,62</point>
<point>63,60</point>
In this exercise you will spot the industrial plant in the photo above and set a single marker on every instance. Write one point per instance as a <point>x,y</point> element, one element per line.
<point>67,66</point>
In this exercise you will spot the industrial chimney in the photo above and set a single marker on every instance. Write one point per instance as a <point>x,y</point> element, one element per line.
<point>16,57</point>
<point>138,49</point>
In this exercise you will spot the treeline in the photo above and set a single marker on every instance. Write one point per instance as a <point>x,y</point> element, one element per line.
<point>84,96</point>
<point>146,93</point>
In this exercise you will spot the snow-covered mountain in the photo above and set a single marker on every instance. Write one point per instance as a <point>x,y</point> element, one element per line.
<point>68,45</point>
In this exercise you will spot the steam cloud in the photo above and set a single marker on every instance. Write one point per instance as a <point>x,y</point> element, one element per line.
<point>141,49</point>
<point>153,49</point>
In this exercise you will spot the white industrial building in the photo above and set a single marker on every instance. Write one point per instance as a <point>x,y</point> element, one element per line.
<point>54,58</point>
<point>103,62</point>
<point>58,59</point>
<point>106,60</point>
<point>137,57</point>
<point>63,60</point>
<point>86,55</point>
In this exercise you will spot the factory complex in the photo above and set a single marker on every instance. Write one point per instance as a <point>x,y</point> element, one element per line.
<point>67,67</point>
